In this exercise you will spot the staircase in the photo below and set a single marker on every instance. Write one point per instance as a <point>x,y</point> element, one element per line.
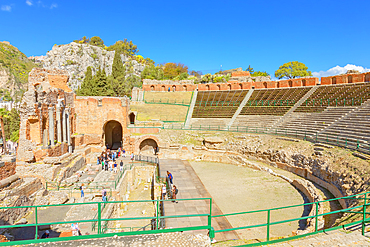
<point>291,110</point>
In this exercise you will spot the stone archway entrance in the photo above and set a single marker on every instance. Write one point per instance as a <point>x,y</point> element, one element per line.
<point>113,134</point>
<point>148,146</point>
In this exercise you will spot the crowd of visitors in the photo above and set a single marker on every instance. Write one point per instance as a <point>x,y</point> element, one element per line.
<point>108,158</point>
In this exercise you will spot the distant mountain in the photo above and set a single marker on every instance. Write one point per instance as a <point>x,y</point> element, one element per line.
<point>14,69</point>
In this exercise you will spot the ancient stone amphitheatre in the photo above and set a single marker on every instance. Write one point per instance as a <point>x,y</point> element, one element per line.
<point>255,163</point>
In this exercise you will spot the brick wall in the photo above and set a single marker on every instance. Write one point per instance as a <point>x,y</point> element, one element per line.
<point>92,113</point>
<point>346,78</point>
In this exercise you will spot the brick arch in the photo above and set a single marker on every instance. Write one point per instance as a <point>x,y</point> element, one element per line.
<point>142,139</point>
<point>110,138</point>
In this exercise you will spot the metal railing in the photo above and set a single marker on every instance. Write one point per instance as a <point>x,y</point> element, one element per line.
<point>356,144</point>
<point>358,214</point>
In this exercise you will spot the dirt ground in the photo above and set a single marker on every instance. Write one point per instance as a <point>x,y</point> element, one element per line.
<point>241,189</point>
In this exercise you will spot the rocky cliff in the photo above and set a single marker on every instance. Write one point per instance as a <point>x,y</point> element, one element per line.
<point>14,69</point>
<point>75,58</point>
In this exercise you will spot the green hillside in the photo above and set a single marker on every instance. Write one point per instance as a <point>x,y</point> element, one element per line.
<point>17,64</point>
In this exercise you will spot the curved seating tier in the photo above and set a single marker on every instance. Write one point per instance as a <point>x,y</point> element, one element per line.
<point>218,104</point>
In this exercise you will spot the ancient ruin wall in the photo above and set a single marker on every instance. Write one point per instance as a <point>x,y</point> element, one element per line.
<point>92,114</point>
<point>42,105</point>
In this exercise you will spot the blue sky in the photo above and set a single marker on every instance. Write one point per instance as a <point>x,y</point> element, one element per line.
<point>202,34</point>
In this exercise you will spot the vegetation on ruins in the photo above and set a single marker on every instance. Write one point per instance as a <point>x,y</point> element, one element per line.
<point>292,70</point>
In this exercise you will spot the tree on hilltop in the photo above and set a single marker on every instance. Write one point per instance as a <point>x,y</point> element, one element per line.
<point>292,70</point>
<point>171,70</point>
<point>152,72</point>
<point>256,73</point>
<point>97,41</point>
<point>124,47</point>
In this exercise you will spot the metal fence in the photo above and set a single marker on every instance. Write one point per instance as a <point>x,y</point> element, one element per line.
<point>307,135</point>
<point>358,214</point>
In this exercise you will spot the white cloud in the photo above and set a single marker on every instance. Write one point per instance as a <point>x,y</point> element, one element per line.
<point>6,8</point>
<point>54,5</point>
<point>29,3</point>
<point>340,70</point>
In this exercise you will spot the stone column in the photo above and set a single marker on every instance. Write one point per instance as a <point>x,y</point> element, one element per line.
<point>59,125</point>
<point>51,125</point>
<point>64,125</point>
<point>68,113</point>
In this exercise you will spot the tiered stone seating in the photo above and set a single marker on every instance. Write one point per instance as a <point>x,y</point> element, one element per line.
<point>255,120</point>
<point>308,124</point>
<point>206,123</point>
<point>351,131</point>
<point>273,101</point>
<point>336,95</point>
<point>218,104</point>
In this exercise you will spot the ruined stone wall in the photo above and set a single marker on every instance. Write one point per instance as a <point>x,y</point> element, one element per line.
<point>93,113</point>
<point>7,168</point>
<point>46,90</point>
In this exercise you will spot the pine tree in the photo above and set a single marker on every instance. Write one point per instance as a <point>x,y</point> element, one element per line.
<point>102,87</point>
<point>87,87</point>
<point>117,67</point>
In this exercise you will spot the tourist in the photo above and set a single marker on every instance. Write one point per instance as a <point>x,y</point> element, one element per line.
<point>115,167</point>
<point>102,165</point>
<point>106,165</point>
<point>75,229</point>
<point>114,156</point>
<point>164,192</point>
<point>104,195</point>
<point>170,177</point>
<point>46,234</point>
<point>98,161</point>
<point>132,156</point>
<point>124,153</point>
<point>169,89</point>
<point>110,165</point>
<point>82,190</point>
<point>121,166</point>
<point>174,193</point>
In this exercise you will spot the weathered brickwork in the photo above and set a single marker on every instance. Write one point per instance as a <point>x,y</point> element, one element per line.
<point>94,113</point>
<point>347,78</point>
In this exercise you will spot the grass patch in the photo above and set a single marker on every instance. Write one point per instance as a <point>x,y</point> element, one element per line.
<point>147,112</point>
<point>168,96</point>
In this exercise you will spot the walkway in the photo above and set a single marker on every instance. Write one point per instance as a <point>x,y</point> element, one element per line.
<point>190,186</point>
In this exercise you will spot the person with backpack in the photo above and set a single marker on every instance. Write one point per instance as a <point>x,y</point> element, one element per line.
<point>174,193</point>
<point>170,177</point>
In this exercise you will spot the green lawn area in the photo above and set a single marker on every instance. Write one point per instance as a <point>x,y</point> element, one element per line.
<point>147,112</point>
<point>171,97</point>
